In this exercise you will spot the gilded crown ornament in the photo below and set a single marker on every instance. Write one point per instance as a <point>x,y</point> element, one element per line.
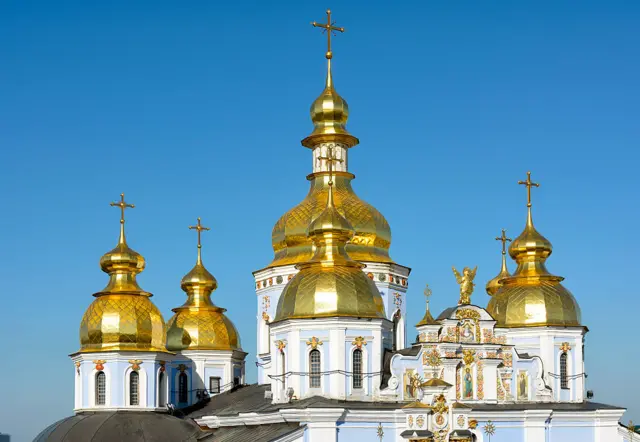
<point>313,342</point>
<point>359,342</point>
<point>465,280</point>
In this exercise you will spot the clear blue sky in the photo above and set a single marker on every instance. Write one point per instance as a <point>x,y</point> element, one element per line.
<point>197,109</point>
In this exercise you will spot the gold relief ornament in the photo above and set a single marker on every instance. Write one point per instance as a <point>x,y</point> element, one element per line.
<point>397,299</point>
<point>265,316</point>
<point>440,405</point>
<point>432,358</point>
<point>468,356</point>
<point>466,284</point>
<point>460,421</point>
<point>359,342</point>
<point>135,364</point>
<point>280,345</point>
<point>410,420</point>
<point>489,429</point>
<point>473,424</point>
<point>77,364</point>
<point>480,380</point>
<point>314,342</point>
<point>99,364</point>
<point>565,347</point>
<point>420,421</point>
<point>162,366</point>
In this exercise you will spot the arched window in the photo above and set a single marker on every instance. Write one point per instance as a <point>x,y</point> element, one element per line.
<point>134,388</point>
<point>357,368</point>
<point>101,388</point>
<point>182,388</point>
<point>162,389</point>
<point>564,381</point>
<point>314,364</point>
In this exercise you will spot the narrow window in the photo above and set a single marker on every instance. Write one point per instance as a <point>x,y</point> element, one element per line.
<point>162,390</point>
<point>283,365</point>
<point>357,368</point>
<point>314,363</point>
<point>214,385</point>
<point>396,323</point>
<point>182,388</point>
<point>564,382</point>
<point>101,388</point>
<point>134,377</point>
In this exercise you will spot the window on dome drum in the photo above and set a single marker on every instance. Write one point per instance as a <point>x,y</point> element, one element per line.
<point>314,363</point>
<point>101,388</point>
<point>182,388</point>
<point>134,396</point>
<point>564,381</point>
<point>357,368</point>
<point>214,385</point>
<point>162,389</point>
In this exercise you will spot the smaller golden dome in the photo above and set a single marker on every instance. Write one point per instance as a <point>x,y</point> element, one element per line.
<point>494,284</point>
<point>199,324</point>
<point>122,317</point>
<point>329,114</point>
<point>331,283</point>
<point>427,319</point>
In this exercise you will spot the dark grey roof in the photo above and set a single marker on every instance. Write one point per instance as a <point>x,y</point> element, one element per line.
<point>122,426</point>
<point>410,434</point>
<point>250,398</point>
<point>254,433</point>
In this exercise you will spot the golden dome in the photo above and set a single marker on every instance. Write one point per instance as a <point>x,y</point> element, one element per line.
<point>330,283</point>
<point>533,296</point>
<point>199,324</point>
<point>122,317</point>
<point>494,284</point>
<point>372,238</point>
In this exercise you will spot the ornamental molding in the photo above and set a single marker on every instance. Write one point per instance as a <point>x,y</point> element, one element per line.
<point>313,342</point>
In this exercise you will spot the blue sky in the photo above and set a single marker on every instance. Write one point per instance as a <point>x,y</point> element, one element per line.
<point>198,108</point>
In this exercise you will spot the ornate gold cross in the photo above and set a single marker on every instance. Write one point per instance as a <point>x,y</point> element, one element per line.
<point>123,206</point>
<point>330,159</point>
<point>504,240</point>
<point>199,228</point>
<point>529,185</point>
<point>329,28</point>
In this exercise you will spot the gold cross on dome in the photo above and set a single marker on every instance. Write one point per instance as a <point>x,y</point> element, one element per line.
<point>330,159</point>
<point>329,28</point>
<point>199,228</point>
<point>123,205</point>
<point>529,185</point>
<point>504,240</point>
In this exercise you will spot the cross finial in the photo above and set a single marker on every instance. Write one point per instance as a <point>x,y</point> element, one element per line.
<point>504,240</point>
<point>529,185</point>
<point>329,28</point>
<point>123,205</point>
<point>427,293</point>
<point>199,228</point>
<point>330,159</point>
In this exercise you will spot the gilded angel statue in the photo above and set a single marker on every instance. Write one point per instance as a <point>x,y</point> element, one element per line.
<point>466,283</point>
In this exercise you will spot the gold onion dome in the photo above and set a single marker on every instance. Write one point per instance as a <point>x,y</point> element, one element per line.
<point>331,283</point>
<point>372,239</point>
<point>199,324</point>
<point>533,296</point>
<point>494,284</point>
<point>122,317</point>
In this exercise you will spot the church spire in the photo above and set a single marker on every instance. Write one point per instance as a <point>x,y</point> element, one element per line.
<point>427,319</point>
<point>198,284</point>
<point>494,284</point>
<point>329,112</point>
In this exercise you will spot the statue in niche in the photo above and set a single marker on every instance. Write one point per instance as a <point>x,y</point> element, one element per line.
<point>523,386</point>
<point>467,382</point>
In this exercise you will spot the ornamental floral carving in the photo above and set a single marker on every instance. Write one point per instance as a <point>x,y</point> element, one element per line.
<point>480,380</point>
<point>265,316</point>
<point>266,302</point>
<point>460,421</point>
<point>280,345</point>
<point>487,335</point>
<point>433,337</point>
<point>359,342</point>
<point>422,337</point>
<point>432,358</point>
<point>449,354</point>
<point>468,357</point>
<point>501,395</point>
<point>410,420</point>
<point>135,364</point>
<point>99,364</point>
<point>565,347</point>
<point>314,342</point>
<point>420,421</point>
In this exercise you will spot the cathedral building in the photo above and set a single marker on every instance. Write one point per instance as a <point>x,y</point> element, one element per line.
<point>336,359</point>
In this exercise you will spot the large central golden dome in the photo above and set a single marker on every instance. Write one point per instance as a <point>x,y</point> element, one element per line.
<point>372,238</point>
<point>330,283</point>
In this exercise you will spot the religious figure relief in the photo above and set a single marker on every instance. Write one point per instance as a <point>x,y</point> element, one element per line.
<point>466,332</point>
<point>523,386</point>
<point>467,382</point>
<point>466,283</point>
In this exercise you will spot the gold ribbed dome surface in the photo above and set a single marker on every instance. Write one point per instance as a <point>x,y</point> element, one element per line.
<point>122,317</point>
<point>372,238</point>
<point>533,296</point>
<point>199,324</point>
<point>330,283</point>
